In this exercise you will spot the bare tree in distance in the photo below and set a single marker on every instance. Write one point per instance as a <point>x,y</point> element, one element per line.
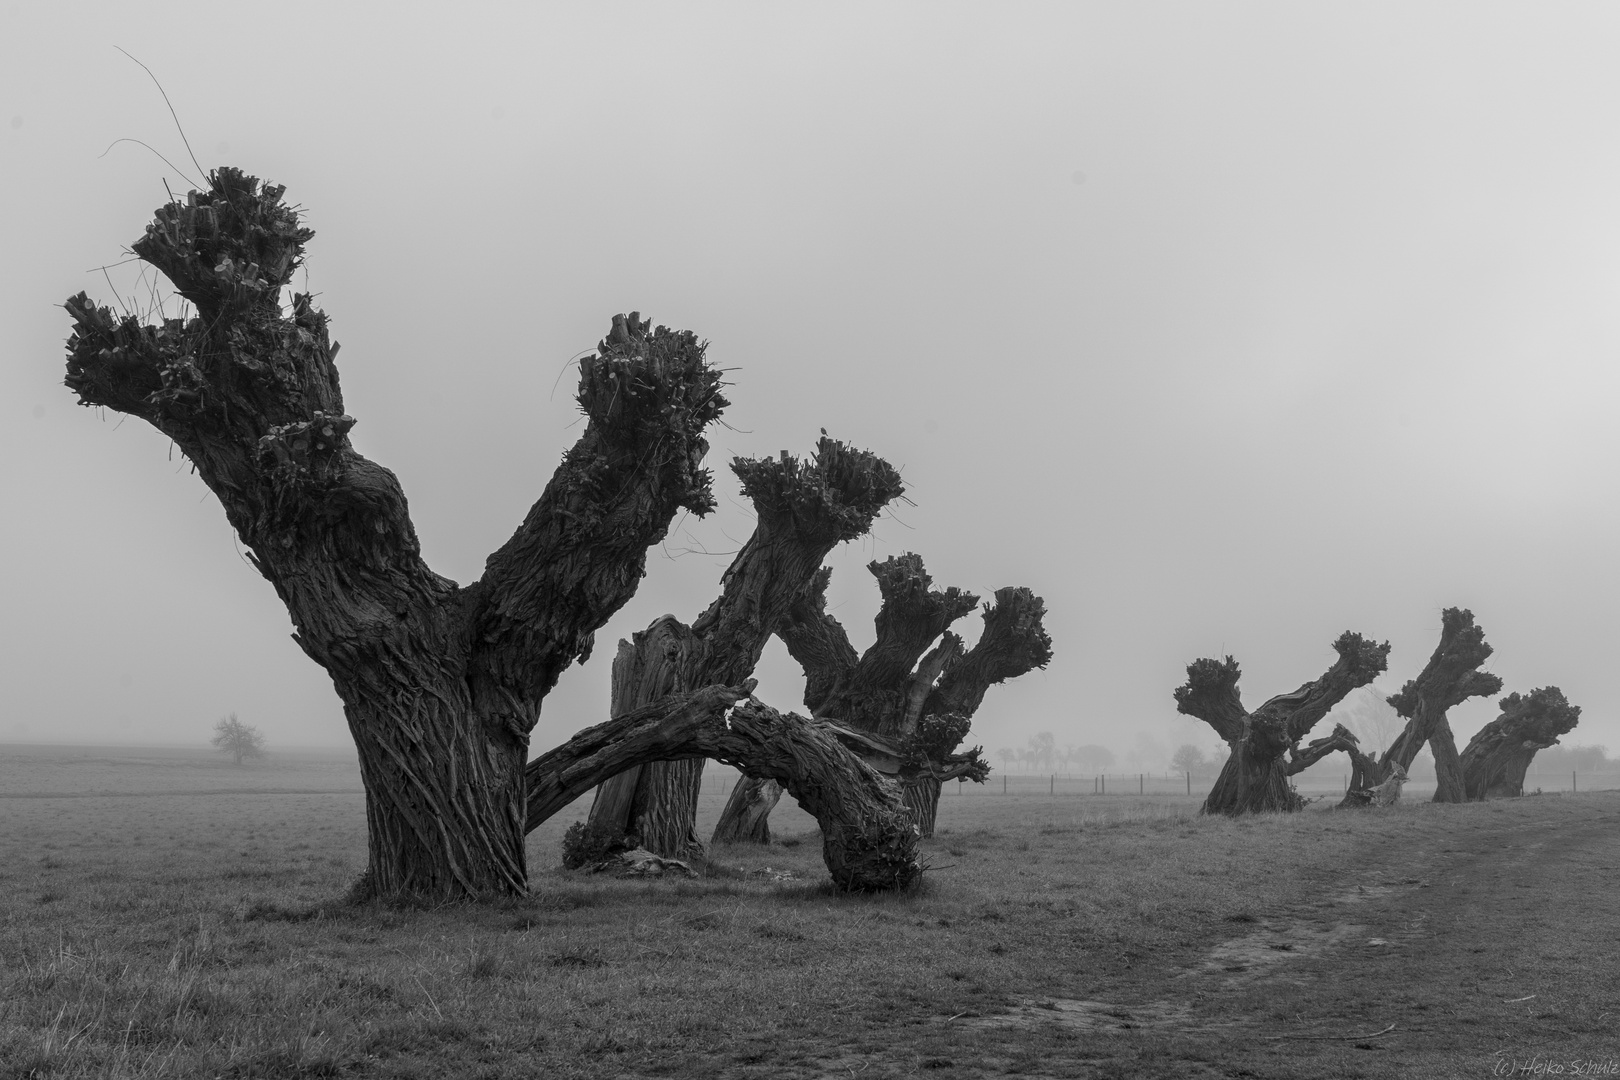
<point>238,739</point>
<point>1265,744</point>
<point>1094,758</point>
<point>1188,758</point>
<point>442,683</point>
<point>1369,715</point>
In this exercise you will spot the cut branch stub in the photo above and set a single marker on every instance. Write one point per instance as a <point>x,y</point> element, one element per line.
<point>833,496</point>
<point>1497,758</point>
<point>235,245</point>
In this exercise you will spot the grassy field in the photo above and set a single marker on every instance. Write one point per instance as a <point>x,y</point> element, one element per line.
<point>165,914</point>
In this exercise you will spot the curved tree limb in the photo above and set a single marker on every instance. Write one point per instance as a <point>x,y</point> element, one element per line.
<point>869,839</point>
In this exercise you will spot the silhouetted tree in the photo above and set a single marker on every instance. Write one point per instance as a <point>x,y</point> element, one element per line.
<point>1496,759</point>
<point>1264,744</point>
<point>1094,758</point>
<point>442,684</point>
<point>1451,677</point>
<point>238,739</point>
<point>1188,759</point>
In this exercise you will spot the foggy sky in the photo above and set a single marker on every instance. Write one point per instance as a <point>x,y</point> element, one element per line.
<point>1224,328</point>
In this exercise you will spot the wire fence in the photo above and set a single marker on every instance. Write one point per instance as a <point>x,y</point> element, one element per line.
<point>1314,783</point>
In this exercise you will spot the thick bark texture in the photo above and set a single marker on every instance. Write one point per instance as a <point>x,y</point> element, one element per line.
<point>1451,677</point>
<point>1496,759</point>
<point>803,509</point>
<point>746,818</point>
<point>869,840</point>
<point>911,696</point>
<point>441,685</point>
<point>1264,744</point>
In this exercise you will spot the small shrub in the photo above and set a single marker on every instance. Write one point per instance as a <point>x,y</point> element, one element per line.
<point>587,845</point>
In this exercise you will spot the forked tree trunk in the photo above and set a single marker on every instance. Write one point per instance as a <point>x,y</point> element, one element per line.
<point>441,684</point>
<point>1496,759</point>
<point>1449,678</point>
<point>1264,744</point>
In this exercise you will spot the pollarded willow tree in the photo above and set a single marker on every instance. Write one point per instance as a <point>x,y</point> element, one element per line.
<point>1265,744</point>
<point>802,510</point>
<point>441,684</point>
<point>907,702</point>
<point>1497,757</point>
<point>1451,677</point>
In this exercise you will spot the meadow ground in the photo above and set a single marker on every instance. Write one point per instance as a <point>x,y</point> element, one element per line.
<point>165,914</point>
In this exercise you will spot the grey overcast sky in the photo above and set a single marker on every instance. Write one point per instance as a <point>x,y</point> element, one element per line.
<point>1224,327</point>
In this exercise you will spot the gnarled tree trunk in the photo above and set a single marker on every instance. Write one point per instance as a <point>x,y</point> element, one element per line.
<point>1449,678</point>
<point>1265,743</point>
<point>803,509</point>
<point>1496,759</point>
<point>441,684</point>
<point>869,842</point>
<point>911,696</point>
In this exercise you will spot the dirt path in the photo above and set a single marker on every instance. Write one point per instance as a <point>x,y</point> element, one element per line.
<point>1489,948</point>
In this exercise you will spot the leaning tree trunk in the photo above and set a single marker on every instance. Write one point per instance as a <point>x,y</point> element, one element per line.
<point>1494,764</point>
<point>803,509</point>
<point>1451,677</point>
<point>1265,743</point>
<point>868,840</point>
<point>646,802</point>
<point>441,685</point>
<point>746,818</point>
<point>912,694</point>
